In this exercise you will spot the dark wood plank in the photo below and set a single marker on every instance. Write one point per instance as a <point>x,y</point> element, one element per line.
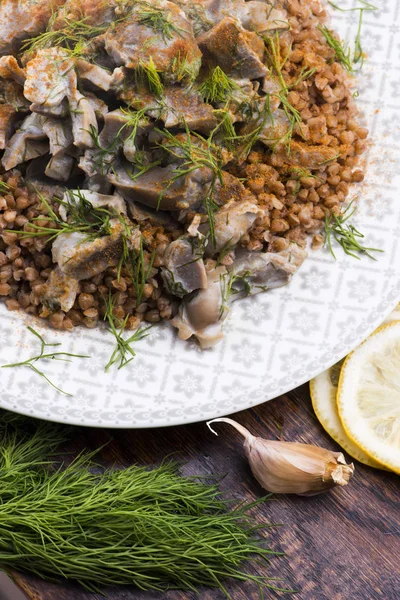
<point>343,545</point>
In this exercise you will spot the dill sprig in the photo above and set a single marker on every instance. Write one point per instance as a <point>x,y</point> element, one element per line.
<point>217,86</point>
<point>249,139</point>
<point>277,62</point>
<point>146,74</point>
<point>4,187</point>
<point>194,152</point>
<point>346,234</point>
<point>139,271</point>
<point>151,528</point>
<point>83,217</point>
<point>157,19</point>
<point>123,352</point>
<point>358,55</point>
<point>74,35</point>
<point>342,51</point>
<point>43,355</point>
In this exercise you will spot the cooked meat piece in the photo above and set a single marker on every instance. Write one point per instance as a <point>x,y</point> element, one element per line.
<point>93,12</point>
<point>60,110</point>
<point>238,52</point>
<point>261,17</point>
<point>260,271</point>
<point>10,69</point>
<point>195,11</point>
<point>60,167</point>
<point>154,188</point>
<point>59,133</point>
<point>12,93</point>
<point>60,290</point>
<point>183,268</point>
<point>275,128</point>
<point>7,114</point>
<point>170,49</point>
<point>95,74</point>
<point>99,106</point>
<point>81,259</point>
<point>23,144</point>
<point>182,105</point>
<point>84,122</point>
<point>309,157</point>
<point>20,19</point>
<point>231,223</point>
<point>141,213</point>
<point>50,77</point>
<point>114,202</point>
<point>202,313</point>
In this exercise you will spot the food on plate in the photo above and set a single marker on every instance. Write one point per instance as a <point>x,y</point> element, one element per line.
<point>163,159</point>
<point>368,396</point>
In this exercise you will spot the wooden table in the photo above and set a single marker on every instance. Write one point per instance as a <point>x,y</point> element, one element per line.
<point>343,545</point>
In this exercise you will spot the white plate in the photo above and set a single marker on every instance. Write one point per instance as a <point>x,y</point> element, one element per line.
<point>274,341</point>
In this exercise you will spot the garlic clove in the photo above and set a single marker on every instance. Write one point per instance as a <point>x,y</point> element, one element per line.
<point>292,468</point>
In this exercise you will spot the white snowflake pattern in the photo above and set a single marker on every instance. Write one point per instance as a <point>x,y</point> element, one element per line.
<point>188,383</point>
<point>379,207</point>
<point>361,289</point>
<point>31,390</point>
<point>247,353</point>
<point>292,361</point>
<point>371,42</point>
<point>141,372</point>
<point>156,335</point>
<point>96,362</point>
<point>390,127</point>
<point>315,280</point>
<point>5,335</point>
<point>255,311</point>
<point>305,322</point>
<point>81,398</point>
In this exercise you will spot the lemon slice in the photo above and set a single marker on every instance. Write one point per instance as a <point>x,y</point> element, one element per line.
<point>323,391</point>
<point>368,396</point>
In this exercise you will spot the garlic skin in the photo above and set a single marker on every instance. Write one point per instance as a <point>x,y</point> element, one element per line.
<point>291,468</point>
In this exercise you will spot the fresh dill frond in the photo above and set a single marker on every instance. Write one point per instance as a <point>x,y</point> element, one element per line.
<point>43,355</point>
<point>328,160</point>
<point>73,35</point>
<point>342,52</point>
<point>194,152</point>
<point>184,69</point>
<point>146,74</point>
<point>148,527</point>
<point>293,117</point>
<point>139,271</point>
<point>276,61</point>
<point>135,119</point>
<point>346,234</point>
<point>225,127</point>
<point>123,352</point>
<point>225,250</point>
<point>358,55</point>
<point>4,187</point>
<point>249,139</point>
<point>217,86</point>
<point>157,19</point>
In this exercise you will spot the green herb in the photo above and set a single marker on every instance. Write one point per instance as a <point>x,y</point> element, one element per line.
<point>358,51</point>
<point>346,234</point>
<point>328,160</point>
<point>153,528</point>
<point>4,187</point>
<point>146,74</point>
<point>139,271</point>
<point>83,217</point>
<point>225,127</point>
<point>225,250</point>
<point>74,35</point>
<point>342,52</point>
<point>157,19</point>
<point>194,152</point>
<point>185,69</point>
<point>275,59</point>
<point>29,362</point>
<point>123,352</point>
<point>217,86</point>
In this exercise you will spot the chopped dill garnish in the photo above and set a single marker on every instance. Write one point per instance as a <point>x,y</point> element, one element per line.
<point>226,248</point>
<point>62,356</point>
<point>328,160</point>
<point>346,234</point>
<point>83,217</point>
<point>249,139</point>
<point>342,51</point>
<point>184,69</point>
<point>277,62</point>
<point>4,187</point>
<point>358,55</point>
<point>225,127</point>
<point>217,86</point>
<point>146,74</point>
<point>157,19</point>
<point>194,152</point>
<point>123,352</point>
<point>74,35</point>
<point>139,272</point>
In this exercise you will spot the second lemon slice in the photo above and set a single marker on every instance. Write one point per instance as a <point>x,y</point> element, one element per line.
<point>368,397</point>
<point>323,391</point>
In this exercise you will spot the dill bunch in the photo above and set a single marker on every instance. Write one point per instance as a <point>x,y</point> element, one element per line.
<point>151,528</point>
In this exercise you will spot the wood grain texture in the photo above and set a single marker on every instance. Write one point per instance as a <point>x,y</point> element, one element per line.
<point>343,545</point>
